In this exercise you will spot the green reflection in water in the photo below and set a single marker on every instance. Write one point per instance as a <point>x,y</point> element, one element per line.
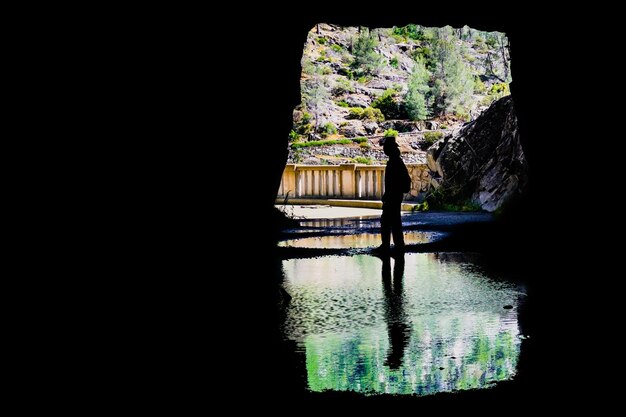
<point>430,325</point>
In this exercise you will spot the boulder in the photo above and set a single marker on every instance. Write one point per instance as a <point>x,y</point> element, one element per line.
<point>338,68</point>
<point>378,84</point>
<point>361,89</point>
<point>297,116</point>
<point>358,100</point>
<point>370,127</point>
<point>345,71</point>
<point>432,125</point>
<point>432,154</point>
<point>352,129</point>
<point>401,126</point>
<point>404,47</point>
<point>484,161</point>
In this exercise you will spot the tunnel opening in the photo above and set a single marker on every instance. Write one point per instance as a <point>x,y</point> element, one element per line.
<point>425,86</point>
<point>443,95</point>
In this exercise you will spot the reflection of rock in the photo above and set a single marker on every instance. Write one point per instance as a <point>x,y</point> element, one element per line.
<point>484,161</point>
<point>508,307</point>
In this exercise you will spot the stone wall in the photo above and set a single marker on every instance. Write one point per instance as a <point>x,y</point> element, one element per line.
<point>420,180</point>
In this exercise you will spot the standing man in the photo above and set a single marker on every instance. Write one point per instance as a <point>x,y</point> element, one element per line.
<point>397,182</point>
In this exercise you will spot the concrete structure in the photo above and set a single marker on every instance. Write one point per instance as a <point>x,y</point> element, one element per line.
<point>346,181</point>
<point>334,202</point>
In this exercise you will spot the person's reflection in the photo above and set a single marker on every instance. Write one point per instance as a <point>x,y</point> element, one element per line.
<point>397,328</point>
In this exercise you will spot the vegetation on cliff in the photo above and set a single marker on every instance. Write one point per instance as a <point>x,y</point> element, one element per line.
<point>360,82</point>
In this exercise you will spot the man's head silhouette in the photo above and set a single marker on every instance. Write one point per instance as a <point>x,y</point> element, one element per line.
<point>390,147</point>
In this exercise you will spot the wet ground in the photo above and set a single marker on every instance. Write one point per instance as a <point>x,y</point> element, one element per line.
<point>424,232</point>
<point>355,240</point>
<point>420,323</point>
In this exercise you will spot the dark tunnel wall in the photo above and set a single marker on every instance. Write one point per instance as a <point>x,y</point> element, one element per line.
<point>237,108</point>
<point>528,231</point>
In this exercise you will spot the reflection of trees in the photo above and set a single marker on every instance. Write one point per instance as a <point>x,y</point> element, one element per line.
<point>342,314</point>
<point>358,363</point>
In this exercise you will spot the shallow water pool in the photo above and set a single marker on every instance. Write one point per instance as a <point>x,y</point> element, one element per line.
<point>419,324</point>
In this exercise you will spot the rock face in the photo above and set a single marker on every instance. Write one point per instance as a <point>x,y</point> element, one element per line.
<point>370,127</point>
<point>484,161</point>
<point>358,100</point>
<point>328,58</point>
<point>352,128</point>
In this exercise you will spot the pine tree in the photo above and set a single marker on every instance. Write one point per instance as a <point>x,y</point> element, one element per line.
<point>314,92</point>
<point>366,60</point>
<point>460,84</point>
<point>453,82</point>
<point>415,99</point>
<point>503,45</point>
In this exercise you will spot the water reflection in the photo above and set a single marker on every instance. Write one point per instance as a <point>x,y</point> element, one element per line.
<point>418,325</point>
<point>398,328</point>
<point>341,222</point>
<point>361,240</point>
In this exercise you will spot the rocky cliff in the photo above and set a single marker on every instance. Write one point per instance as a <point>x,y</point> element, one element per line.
<point>356,84</point>
<point>484,161</point>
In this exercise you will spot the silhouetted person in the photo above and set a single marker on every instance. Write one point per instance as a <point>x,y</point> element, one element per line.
<point>395,316</point>
<point>397,182</point>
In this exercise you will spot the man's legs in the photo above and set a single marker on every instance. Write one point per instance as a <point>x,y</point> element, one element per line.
<point>385,226</point>
<point>396,224</point>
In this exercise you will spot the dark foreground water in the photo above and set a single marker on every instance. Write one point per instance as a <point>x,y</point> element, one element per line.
<point>419,324</point>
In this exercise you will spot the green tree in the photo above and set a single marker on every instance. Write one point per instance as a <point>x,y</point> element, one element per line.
<point>460,85</point>
<point>366,60</point>
<point>410,31</point>
<point>415,98</point>
<point>453,82</point>
<point>387,104</point>
<point>504,51</point>
<point>314,93</point>
<point>391,133</point>
<point>496,57</point>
